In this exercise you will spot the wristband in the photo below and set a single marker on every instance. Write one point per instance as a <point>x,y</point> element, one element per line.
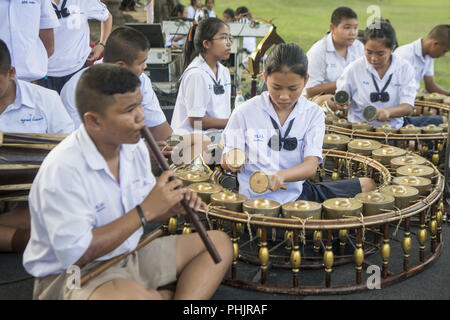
<point>102,44</point>
<point>141,215</point>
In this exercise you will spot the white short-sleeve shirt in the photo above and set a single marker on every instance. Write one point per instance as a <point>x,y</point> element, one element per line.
<point>35,110</point>
<point>20,22</point>
<point>357,81</point>
<point>75,192</point>
<point>191,12</point>
<point>154,115</point>
<point>72,37</point>
<point>196,97</point>
<point>250,129</point>
<point>325,65</point>
<point>423,66</point>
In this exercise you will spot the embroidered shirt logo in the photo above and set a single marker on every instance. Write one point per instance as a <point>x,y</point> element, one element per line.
<point>99,207</point>
<point>31,118</point>
<point>258,137</point>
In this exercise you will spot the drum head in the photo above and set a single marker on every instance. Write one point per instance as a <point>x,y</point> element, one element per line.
<point>259,182</point>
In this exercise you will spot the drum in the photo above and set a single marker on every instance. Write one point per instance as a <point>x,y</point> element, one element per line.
<point>404,195</point>
<point>264,207</point>
<point>340,208</point>
<point>302,209</point>
<point>205,190</point>
<point>375,202</point>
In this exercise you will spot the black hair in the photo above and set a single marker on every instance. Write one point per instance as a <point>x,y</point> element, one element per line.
<point>287,56</point>
<point>383,31</point>
<point>5,58</point>
<point>241,10</point>
<point>229,12</point>
<point>341,13</point>
<point>441,33</point>
<point>205,30</point>
<point>179,8</point>
<point>98,84</point>
<point>206,1</point>
<point>124,44</point>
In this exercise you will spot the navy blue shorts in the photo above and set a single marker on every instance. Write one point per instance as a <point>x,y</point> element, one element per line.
<point>321,191</point>
<point>423,121</point>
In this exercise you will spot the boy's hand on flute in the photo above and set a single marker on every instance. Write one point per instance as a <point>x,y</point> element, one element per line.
<point>165,195</point>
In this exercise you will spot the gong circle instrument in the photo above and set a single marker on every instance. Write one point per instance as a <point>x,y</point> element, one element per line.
<point>259,182</point>
<point>276,252</point>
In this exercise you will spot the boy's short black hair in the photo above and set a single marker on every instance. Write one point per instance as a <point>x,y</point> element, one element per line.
<point>229,12</point>
<point>99,83</point>
<point>342,13</point>
<point>441,33</point>
<point>124,44</point>
<point>5,58</point>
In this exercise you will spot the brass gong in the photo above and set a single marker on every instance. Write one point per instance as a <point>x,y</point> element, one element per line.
<point>264,207</point>
<point>405,160</point>
<point>375,202</point>
<point>415,170</point>
<point>410,129</point>
<point>421,183</point>
<point>404,195</point>
<point>302,209</point>
<point>343,123</point>
<point>384,155</point>
<point>363,146</point>
<point>362,126</point>
<point>386,128</point>
<point>337,208</point>
<point>228,199</point>
<point>205,190</point>
<point>335,141</point>
<point>432,128</point>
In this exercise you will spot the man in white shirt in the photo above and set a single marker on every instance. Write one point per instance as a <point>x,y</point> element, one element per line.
<point>329,56</point>
<point>99,194</point>
<point>72,38</point>
<point>26,107</point>
<point>421,54</point>
<point>27,29</point>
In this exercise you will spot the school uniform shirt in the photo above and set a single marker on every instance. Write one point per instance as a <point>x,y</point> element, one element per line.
<point>196,97</point>
<point>72,37</point>
<point>211,13</point>
<point>35,110</point>
<point>73,193</point>
<point>19,29</point>
<point>250,129</point>
<point>423,66</point>
<point>170,42</point>
<point>357,81</point>
<point>191,12</point>
<point>325,65</point>
<point>154,116</point>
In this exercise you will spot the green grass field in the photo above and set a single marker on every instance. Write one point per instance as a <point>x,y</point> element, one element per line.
<point>306,21</point>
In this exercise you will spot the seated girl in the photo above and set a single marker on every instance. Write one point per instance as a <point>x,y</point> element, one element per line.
<point>204,96</point>
<point>383,80</point>
<point>282,134</point>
